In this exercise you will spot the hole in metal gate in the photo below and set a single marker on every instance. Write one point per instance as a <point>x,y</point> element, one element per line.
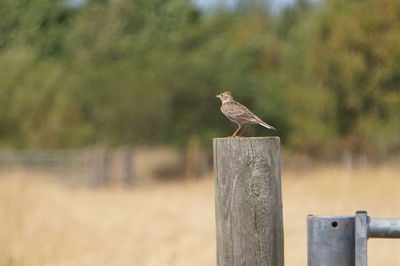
<point>334,224</point>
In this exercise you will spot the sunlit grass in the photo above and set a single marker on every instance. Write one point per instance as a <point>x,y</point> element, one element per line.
<point>45,223</point>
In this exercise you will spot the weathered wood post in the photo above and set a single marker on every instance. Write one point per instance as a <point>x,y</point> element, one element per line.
<point>192,158</point>
<point>248,202</point>
<point>127,171</point>
<point>100,161</point>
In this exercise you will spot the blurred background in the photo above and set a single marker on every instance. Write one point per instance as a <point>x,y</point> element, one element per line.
<point>107,114</point>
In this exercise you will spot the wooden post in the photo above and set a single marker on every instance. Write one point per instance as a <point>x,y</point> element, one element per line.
<point>248,202</point>
<point>128,175</point>
<point>100,160</point>
<point>192,158</point>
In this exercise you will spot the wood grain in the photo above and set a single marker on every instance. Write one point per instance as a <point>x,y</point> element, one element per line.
<point>248,201</point>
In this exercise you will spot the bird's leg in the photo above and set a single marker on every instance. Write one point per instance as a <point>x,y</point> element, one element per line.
<point>244,130</point>
<point>234,134</point>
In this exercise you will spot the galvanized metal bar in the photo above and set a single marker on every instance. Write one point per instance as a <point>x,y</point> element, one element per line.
<point>342,240</point>
<point>361,237</point>
<point>384,227</point>
<point>331,240</point>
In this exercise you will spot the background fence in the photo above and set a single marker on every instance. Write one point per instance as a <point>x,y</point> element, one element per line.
<point>101,166</point>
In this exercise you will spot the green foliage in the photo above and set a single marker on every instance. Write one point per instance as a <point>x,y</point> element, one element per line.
<point>146,71</point>
<point>359,64</point>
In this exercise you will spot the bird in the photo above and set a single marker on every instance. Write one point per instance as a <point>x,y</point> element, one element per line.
<point>238,113</point>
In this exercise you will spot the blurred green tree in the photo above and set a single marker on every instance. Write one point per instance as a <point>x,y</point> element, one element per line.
<point>358,61</point>
<point>146,71</point>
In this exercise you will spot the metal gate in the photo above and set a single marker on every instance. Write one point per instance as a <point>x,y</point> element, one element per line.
<point>342,240</point>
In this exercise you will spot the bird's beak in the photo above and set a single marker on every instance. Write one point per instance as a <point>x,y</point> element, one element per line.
<point>217,95</point>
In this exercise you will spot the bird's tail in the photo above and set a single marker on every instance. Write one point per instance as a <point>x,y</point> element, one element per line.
<point>263,124</point>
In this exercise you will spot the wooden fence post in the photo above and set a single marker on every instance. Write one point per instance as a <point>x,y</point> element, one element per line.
<point>192,158</point>
<point>100,161</point>
<point>127,171</point>
<point>248,201</point>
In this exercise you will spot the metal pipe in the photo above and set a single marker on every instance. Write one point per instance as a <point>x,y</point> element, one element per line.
<point>384,227</point>
<point>361,237</point>
<point>342,240</point>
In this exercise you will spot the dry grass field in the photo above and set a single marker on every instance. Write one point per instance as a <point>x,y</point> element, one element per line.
<point>46,223</point>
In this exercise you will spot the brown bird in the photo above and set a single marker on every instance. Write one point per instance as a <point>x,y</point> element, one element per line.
<point>238,113</point>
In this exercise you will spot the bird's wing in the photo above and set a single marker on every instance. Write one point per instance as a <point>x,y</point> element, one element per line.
<point>238,111</point>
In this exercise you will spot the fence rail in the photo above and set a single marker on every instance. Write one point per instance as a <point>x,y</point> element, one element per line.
<point>342,240</point>
<point>91,167</point>
<point>100,166</point>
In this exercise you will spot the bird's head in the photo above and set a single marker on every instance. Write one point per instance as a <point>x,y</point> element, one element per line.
<point>225,96</point>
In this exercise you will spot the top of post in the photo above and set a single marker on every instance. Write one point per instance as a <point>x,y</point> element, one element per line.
<point>275,139</point>
<point>246,138</point>
<point>247,141</point>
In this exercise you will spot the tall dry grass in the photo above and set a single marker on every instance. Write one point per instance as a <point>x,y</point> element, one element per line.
<point>44,223</point>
